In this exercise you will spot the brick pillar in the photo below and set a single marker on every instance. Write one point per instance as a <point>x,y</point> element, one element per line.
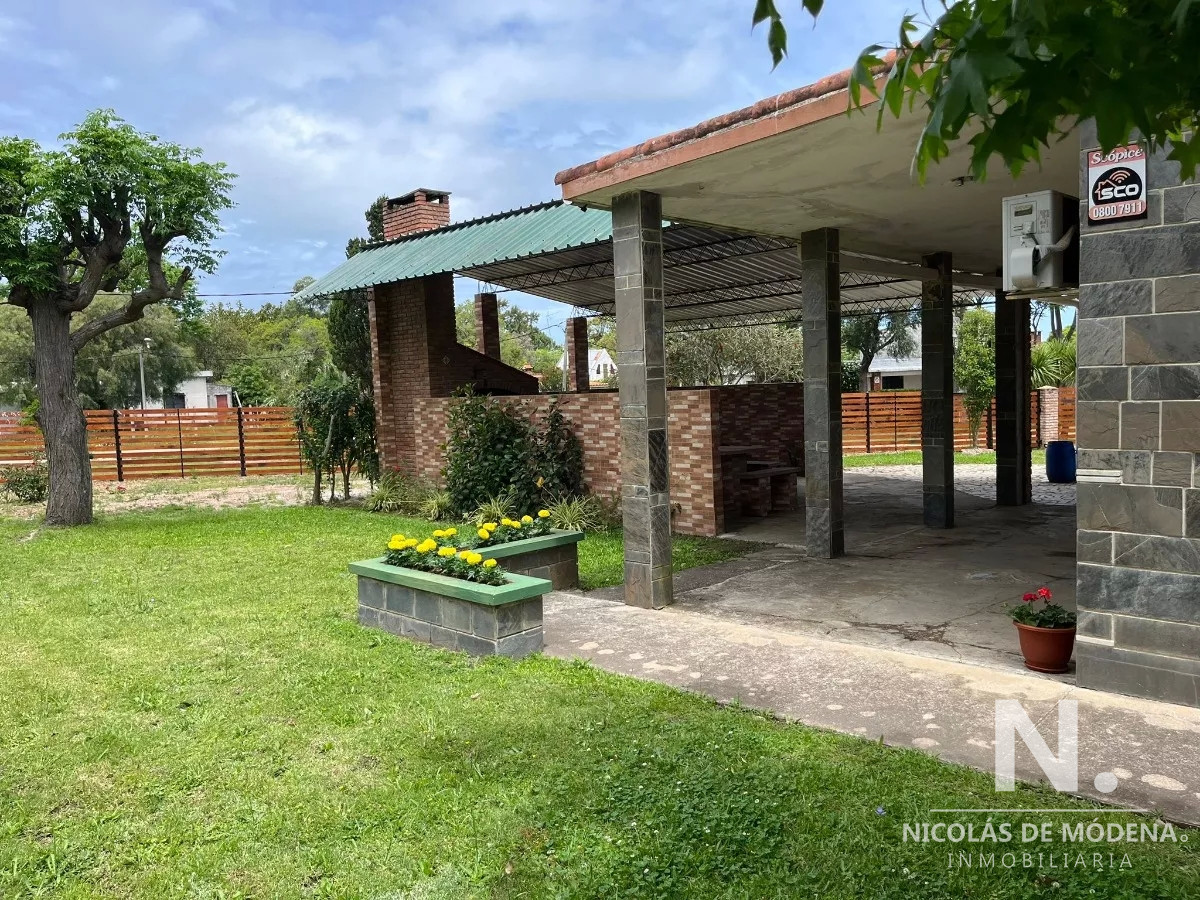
<point>1138,430</point>
<point>487,325</point>
<point>937,393</point>
<point>578,373</point>
<point>1014,448</point>
<point>645,482</point>
<point>820,264</point>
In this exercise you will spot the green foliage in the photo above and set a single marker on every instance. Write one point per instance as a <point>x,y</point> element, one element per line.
<point>522,342</point>
<point>327,414</point>
<point>1037,610</point>
<point>1018,75</point>
<point>437,507</point>
<point>493,509</point>
<point>25,483</point>
<point>1053,363</point>
<point>559,456</point>
<point>374,217</point>
<point>577,513</point>
<point>495,451</point>
<point>865,337</point>
<point>252,384</point>
<point>975,365</point>
<point>491,533</point>
<point>350,335</point>
<point>427,556</point>
<point>850,378</point>
<point>398,492</point>
<point>753,353</point>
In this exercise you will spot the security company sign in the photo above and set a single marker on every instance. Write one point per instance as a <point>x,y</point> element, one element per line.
<point>1117,184</point>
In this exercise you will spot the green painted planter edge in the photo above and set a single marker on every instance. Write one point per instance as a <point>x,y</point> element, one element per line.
<point>529,545</point>
<point>520,587</point>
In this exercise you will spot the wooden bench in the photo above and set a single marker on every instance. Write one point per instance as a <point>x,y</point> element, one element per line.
<point>769,489</point>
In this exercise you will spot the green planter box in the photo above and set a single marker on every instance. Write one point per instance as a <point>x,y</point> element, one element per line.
<point>553,556</point>
<point>479,619</point>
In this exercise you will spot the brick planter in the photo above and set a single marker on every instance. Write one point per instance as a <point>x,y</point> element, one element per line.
<point>553,556</point>
<point>479,619</point>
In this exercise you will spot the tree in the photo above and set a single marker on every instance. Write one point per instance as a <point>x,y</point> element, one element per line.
<point>350,335</point>
<point>1018,75</point>
<point>1052,363</point>
<point>68,218</point>
<point>975,365</point>
<point>865,337</point>
<point>753,353</point>
<point>374,217</point>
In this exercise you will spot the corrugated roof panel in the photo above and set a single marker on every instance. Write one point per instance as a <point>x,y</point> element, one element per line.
<point>521,233</point>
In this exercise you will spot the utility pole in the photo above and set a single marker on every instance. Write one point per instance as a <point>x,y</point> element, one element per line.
<point>142,369</point>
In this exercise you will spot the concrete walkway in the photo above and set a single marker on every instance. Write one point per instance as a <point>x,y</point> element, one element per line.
<point>934,705</point>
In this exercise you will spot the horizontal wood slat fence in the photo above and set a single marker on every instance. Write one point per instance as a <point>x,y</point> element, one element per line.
<point>173,443</point>
<point>180,443</point>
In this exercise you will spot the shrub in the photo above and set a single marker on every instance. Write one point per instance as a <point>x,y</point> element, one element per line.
<point>560,456</point>
<point>399,492</point>
<point>26,484</point>
<point>437,506</point>
<point>494,509</point>
<point>578,514</point>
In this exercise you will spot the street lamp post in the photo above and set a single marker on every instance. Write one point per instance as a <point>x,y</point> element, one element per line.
<point>142,369</point>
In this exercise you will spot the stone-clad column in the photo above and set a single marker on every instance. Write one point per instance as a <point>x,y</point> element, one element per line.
<point>937,393</point>
<point>579,379</point>
<point>822,329</point>
<point>1014,448</point>
<point>641,359</point>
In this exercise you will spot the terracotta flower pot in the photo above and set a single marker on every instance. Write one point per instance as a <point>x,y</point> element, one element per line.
<point>1046,649</point>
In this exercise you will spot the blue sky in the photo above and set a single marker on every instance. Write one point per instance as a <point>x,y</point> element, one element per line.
<point>321,107</point>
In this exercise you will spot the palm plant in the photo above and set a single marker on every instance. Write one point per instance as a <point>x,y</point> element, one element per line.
<point>1053,363</point>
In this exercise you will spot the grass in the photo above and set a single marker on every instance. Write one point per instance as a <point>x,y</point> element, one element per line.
<point>913,458</point>
<point>189,709</point>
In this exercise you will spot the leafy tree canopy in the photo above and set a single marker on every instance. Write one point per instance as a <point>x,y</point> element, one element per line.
<point>754,353</point>
<point>1017,74</point>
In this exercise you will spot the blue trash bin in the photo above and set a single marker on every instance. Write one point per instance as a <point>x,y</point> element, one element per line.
<point>1060,462</point>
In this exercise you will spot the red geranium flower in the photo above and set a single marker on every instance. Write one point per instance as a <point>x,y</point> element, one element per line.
<point>1029,598</point>
<point>1044,593</point>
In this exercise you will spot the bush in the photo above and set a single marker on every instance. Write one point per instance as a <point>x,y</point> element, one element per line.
<point>437,506</point>
<point>578,514</point>
<point>494,509</point>
<point>400,493</point>
<point>26,484</point>
<point>494,450</point>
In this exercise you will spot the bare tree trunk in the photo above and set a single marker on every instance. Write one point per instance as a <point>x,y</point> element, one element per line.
<point>64,428</point>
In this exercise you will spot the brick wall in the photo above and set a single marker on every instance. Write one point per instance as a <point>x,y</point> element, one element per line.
<point>595,417</point>
<point>418,211</point>
<point>768,415</point>
<point>1138,422</point>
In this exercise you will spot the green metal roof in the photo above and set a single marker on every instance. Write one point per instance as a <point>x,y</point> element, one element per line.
<point>520,233</point>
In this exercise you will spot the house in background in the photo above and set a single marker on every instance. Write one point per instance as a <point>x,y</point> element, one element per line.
<point>895,374</point>
<point>600,368</point>
<point>198,391</point>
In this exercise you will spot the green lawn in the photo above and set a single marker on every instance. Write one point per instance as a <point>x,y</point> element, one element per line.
<point>913,458</point>
<point>189,709</point>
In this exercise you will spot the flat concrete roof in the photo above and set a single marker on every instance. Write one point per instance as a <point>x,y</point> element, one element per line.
<point>800,160</point>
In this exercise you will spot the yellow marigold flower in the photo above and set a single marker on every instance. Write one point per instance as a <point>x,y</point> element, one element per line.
<point>526,520</point>
<point>410,543</point>
<point>446,552</point>
<point>439,533</point>
<point>425,547</point>
<point>474,558</point>
<point>464,555</point>
<point>514,524</point>
<point>490,526</point>
<point>450,532</point>
<point>394,544</point>
<point>484,534</point>
<point>489,564</point>
<point>540,481</point>
<point>543,513</point>
<point>397,537</point>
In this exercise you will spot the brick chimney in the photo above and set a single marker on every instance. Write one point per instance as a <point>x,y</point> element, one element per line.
<point>419,210</point>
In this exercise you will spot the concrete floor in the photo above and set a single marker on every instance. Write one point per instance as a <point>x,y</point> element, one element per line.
<point>938,593</point>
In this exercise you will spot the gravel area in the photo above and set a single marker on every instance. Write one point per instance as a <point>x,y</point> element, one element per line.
<point>980,481</point>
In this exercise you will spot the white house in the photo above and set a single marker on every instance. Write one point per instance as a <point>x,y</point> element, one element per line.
<point>198,391</point>
<point>600,367</point>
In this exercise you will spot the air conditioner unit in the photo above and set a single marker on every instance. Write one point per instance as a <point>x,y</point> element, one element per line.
<point>1041,243</point>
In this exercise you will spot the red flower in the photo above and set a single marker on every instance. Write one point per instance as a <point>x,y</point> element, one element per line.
<point>1029,598</point>
<point>1044,593</point>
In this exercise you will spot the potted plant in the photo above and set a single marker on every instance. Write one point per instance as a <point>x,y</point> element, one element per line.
<point>432,590</point>
<point>530,545</point>
<point>1046,631</point>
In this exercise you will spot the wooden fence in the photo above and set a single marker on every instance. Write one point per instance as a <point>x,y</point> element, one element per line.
<point>173,443</point>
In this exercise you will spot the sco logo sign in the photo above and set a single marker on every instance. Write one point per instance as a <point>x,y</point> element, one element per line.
<point>1117,184</point>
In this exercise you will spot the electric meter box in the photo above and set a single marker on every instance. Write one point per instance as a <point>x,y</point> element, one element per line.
<point>1033,224</point>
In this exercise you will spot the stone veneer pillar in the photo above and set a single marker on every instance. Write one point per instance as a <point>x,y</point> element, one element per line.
<point>1014,447</point>
<point>641,359</point>
<point>937,393</point>
<point>820,265</point>
<point>578,373</point>
<point>487,325</point>
<point>1138,430</point>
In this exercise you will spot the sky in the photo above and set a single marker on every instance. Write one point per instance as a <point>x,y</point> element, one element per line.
<point>321,107</point>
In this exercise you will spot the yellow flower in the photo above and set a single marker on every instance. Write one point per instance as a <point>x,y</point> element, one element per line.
<point>450,532</point>
<point>410,543</point>
<point>397,537</point>
<point>464,555</point>
<point>489,564</point>
<point>394,544</point>
<point>543,513</point>
<point>484,534</point>
<point>506,521</point>
<point>439,533</point>
<point>540,481</point>
<point>474,558</point>
<point>446,552</point>
<point>425,546</point>
<point>514,524</point>
<point>526,520</point>
<point>490,526</point>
